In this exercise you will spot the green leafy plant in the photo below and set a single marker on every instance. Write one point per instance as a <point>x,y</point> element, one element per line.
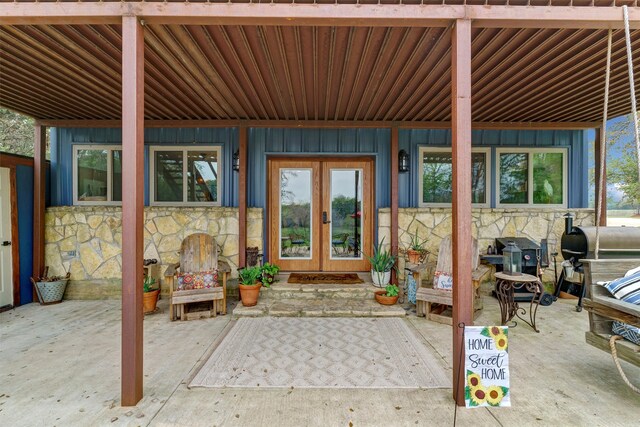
<point>148,283</point>
<point>392,290</point>
<point>416,244</point>
<point>268,272</point>
<point>249,275</point>
<point>382,260</point>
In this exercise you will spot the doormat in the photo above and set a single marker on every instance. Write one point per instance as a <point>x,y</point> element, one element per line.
<point>285,352</point>
<point>320,278</point>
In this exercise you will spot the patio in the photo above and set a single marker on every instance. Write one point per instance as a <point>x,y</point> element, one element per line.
<point>66,371</point>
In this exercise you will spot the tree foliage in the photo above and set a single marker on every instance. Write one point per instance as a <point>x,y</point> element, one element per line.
<point>623,169</point>
<point>16,133</point>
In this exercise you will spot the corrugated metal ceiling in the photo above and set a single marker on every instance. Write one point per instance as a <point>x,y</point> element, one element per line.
<point>312,73</point>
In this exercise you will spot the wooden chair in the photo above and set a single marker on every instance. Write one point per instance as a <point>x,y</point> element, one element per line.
<point>340,242</point>
<point>198,253</point>
<point>437,304</point>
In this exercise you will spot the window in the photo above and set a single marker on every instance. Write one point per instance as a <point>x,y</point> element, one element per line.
<point>532,177</point>
<point>185,175</point>
<point>437,176</point>
<point>97,175</point>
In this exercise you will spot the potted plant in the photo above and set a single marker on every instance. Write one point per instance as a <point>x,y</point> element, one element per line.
<point>416,249</point>
<point>269,272</point>
<point>249,284</point>
<point>382,262</point>
<point>50,289</point>
<point>389,296</point>
<point>150,295</point>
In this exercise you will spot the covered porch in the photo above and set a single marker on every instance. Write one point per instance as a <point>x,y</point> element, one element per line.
<point>65,371</point>
<point>138,66</point>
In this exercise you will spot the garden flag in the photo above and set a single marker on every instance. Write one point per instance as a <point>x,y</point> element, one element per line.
<point>486,366</point>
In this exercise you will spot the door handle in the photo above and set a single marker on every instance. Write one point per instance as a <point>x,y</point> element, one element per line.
<point>324,218</point>
<point>6,243</point>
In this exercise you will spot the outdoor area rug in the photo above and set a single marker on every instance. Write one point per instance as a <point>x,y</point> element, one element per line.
<point>322,353</point>
<point>320,278</point>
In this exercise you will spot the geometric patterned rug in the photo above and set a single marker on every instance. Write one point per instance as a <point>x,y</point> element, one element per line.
<point>322,353</point>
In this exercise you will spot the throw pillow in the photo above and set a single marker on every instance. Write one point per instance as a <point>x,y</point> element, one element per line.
<point>626,288</point>
<point>628,332</point>
<point>199,280</point>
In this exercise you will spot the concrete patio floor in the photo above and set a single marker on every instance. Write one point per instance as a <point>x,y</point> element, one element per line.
<point>60,365</point>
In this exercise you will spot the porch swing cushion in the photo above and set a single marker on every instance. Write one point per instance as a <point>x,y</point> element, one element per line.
<point>626,288</point>
<point>198,280</point>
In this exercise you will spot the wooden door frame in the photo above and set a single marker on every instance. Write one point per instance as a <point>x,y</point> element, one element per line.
<point>367,231</point>
<point>371,160</point>
<point>315,220</point>
<point>10,164</point>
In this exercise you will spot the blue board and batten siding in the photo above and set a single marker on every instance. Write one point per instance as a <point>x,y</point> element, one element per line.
<point>263,142</point>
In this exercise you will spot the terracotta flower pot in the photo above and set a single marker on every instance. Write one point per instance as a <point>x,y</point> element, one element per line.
<point>149,300</point>
<point>249,294</point>
<point>413,256</point>
<point>382,298</point>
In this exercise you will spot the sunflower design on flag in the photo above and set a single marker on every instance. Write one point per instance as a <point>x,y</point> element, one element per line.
<point>495,394</point>
<point>473,379</point>
<point>499,335</point>
<point>478,395</point>
<point>501,342</point>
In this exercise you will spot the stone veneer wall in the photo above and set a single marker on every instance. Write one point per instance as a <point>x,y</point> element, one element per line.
<point>95,234</point>
<point>434,224</point>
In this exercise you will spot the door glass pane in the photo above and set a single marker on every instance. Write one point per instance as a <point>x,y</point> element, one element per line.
<point>514,184</point>
<point>202,176</point>
<point>168,167</point>
<point>295,213</point>
<point>92,175</point>
<point>346,213</point>
<point>547,178</point>
<point>116,180</point>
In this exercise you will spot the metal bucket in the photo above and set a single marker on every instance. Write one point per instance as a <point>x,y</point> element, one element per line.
<point>567,267</point>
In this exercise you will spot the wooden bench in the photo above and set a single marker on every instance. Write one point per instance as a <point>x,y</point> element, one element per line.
<point>437,304</point>
<point>603,308</point>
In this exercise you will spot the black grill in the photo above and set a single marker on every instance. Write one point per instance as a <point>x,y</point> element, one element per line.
<point>579,243</point>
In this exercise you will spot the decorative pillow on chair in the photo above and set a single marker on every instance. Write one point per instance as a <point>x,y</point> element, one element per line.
<point>626,288</point>
<point>199,280</point>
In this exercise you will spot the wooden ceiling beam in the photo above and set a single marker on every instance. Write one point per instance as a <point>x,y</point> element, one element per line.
<point>322,124</point>
<point>38,13</point>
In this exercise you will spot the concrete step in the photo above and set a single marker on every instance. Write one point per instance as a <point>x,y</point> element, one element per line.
<point>280,290</point>
<point>325,307</point>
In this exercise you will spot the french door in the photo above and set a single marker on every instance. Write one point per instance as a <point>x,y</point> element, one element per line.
<point>320,213</point>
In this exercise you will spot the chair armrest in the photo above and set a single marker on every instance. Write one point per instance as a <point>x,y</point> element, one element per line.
<point>171,270</point>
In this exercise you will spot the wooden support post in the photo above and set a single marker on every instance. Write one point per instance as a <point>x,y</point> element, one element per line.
<point>461,207</point>
<point>39,182</point>
<point>132,208</point>
<point>242,197</point>
<point>602,201</point>
<point>394,197</point>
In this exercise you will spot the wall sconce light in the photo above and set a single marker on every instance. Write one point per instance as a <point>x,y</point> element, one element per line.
<point>235,165</point>
<point>403,161</point>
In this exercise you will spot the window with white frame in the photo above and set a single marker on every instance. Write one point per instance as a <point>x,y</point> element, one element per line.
<point>436,183</point>
<point>531,177</point>
<point>97,174</point>
<point>185,175</point>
